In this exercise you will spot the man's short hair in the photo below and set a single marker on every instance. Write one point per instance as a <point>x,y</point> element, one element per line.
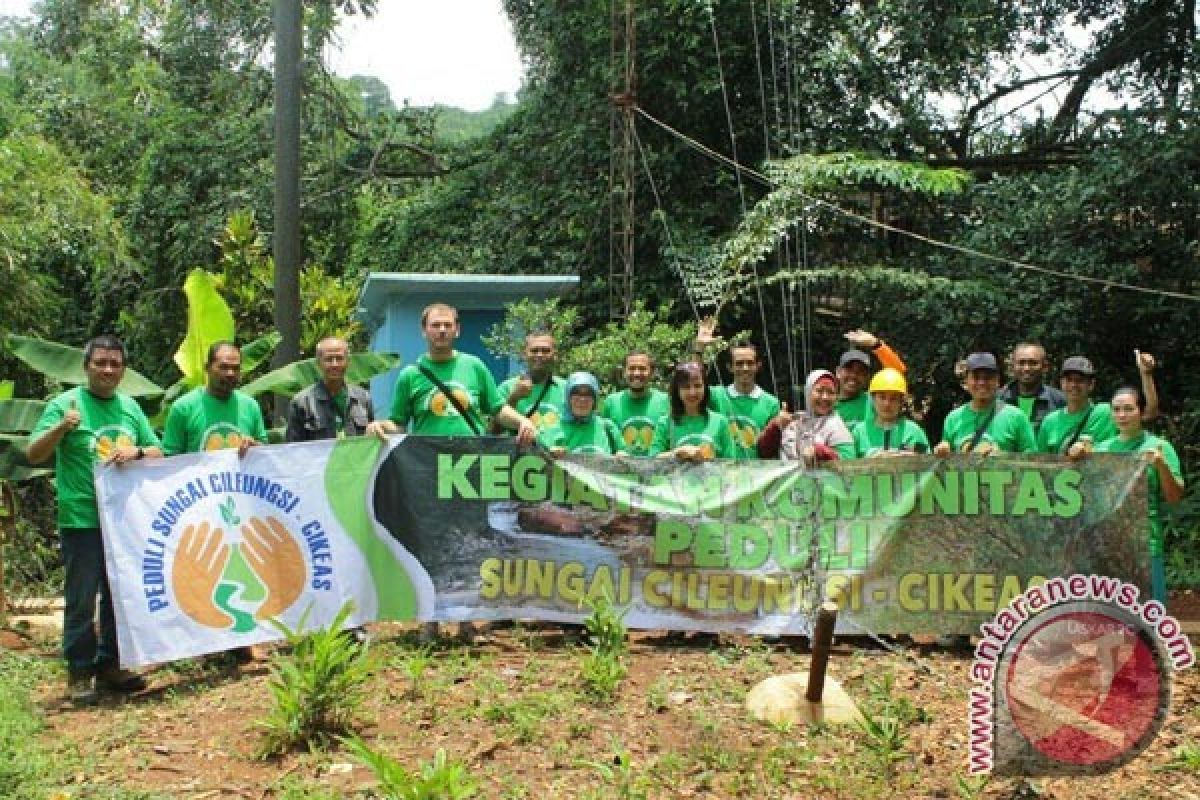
<point>1020,345</point>
<point>432,307</point>
<point>540,333</point>
<point>328,340</point>
<point>633,353</point>
<point>217,347</point>
<point>104,342</point>
<point>743,345</point>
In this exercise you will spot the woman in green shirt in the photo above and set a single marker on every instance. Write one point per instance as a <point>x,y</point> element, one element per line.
<point>580,429</point>
<point>887,432</point>
<point>1165,474</point>
<point>691,432</point>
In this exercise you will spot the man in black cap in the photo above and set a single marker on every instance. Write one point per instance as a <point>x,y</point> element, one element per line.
<point>985,424</point>
<point>1028,390</point>
<point>854,373</point>
<point>1073,430</point>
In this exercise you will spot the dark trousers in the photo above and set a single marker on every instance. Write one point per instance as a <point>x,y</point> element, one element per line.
<point>87,646</point>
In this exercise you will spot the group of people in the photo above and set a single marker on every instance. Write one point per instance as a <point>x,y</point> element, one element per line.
<point>847,413</point>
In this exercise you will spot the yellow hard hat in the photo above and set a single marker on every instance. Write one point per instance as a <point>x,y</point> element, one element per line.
<point>889,380</point>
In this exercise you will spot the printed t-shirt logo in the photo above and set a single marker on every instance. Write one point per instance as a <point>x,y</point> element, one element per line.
<point>221,436</point>
<point>986,445</point>
<point>232,585</point>
<point>108,439</point>
<point>438,405</point>
<point>638,432</point>
<point>545,416</point>
<point>743,430</point>
<point>701,440</point>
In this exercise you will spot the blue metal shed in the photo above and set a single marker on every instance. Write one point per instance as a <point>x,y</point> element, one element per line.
<point>391,302</point>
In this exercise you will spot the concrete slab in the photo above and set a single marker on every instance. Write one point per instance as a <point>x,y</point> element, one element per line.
<point>781,699</point>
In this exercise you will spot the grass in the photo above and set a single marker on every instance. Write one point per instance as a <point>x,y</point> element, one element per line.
<point>26,771</point>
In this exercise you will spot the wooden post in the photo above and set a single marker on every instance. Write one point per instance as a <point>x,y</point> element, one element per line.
<point>8,527</point>
<point>822,640</point>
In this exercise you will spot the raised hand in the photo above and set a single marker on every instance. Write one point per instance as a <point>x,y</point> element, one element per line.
<point>784,416</point>
<point>521,389</point>
<point>276,558</point>
<point>864,340</point>
<point>1145,362</point>
<point>706,332</point>
<point>199,564</point>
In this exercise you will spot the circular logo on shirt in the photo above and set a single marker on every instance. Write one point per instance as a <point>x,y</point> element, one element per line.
<point>638,433</point>
<point>439,406</point>
<point>743,430</point>
<point>546,416</point>
<point>221,436</point>
<point>108,439</point>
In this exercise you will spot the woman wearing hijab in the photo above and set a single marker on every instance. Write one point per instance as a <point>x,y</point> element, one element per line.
<point>691,432</point>
<point>816,434</point>
<point>581,429</point>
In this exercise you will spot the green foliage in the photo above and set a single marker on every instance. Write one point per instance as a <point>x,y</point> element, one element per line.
<point>621,775</point>
<point>455,125</point>
<point>208,321</point>
<point>603,666</point>
<point>64,364</point>
<point>26,770</point>
<point>440,779</point>
<point>300,374</point>
<point>317,688</point>
<point>1186,758</point>
<point>599,350</point>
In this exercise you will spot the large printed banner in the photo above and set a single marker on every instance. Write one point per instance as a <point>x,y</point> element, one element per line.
<point>204,550</point>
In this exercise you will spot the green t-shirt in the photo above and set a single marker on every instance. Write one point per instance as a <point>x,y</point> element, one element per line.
<point>710,433</point>
<point>1059,426</point>
<point>748,414</point>
<point>870,439</point>
<point>103,425</point>
<point>549,410</point>
<point>421,408</point>
<point>1009,430</point>
<point>198,421</point>
<point>636,417</point>
<point>855,410</point>
<point>1141,443</point>
<point>596,436</point>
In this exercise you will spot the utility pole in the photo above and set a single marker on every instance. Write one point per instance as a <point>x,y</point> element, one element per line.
<point>289,46</point>
<point>622,148</point>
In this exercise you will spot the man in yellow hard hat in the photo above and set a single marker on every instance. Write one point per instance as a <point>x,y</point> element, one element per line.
<point>886,432</point>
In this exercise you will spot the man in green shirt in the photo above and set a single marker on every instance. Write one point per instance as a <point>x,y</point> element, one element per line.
<point>538,394</point>
<point>637,408</point>
<point>79,428</point>
<point>854,370</point>
<point>986,424</point>
<point>215,416</point>
<point>1081,424</point>
<point>447,393</point>
<point>747,406</point>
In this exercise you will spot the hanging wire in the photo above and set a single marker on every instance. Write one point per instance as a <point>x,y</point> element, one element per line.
<point>873,223</point>
<point>762,309</point>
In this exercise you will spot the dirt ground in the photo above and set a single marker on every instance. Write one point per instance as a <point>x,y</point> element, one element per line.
<point>512,708</point>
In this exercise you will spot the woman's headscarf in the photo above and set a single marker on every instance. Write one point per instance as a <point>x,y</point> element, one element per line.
<point>578,380</point>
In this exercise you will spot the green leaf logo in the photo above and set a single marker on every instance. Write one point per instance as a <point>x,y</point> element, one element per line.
<point>229,513</point>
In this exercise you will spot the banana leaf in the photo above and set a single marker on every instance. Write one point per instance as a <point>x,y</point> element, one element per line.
<point>13,465</point>
<point>64,364</point>
<point>209,321</point>
<point>20,416</point>
<point>259,350</point>
<point>6,390</point>
<point>289,380</point>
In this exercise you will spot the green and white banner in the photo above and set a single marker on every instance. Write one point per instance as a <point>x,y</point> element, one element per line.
<point>203,549</point>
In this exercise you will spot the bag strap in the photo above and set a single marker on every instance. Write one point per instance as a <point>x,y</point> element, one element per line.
<point>541,395</point>
<point>449,395</point>
<point>1078,430</point>
<point>982,429</point>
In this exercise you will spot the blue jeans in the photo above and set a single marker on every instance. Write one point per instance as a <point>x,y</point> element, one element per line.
<point>86,646</point>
